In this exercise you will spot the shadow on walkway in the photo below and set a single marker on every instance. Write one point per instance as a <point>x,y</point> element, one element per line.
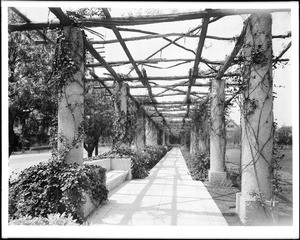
<point>168,196</point>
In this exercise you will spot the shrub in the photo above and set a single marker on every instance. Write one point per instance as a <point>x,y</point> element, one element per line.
<point>141,161</point>
<point>198,165</point>
<point>55,187</point>
<point>156,153</point>
<point>51,219</point>
<point>235,176</point>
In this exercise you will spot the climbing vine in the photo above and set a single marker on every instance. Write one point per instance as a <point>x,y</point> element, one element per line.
<point>67,68</point>
<point>200,118</point>
<point>258,127</point>
<point>125,117</point>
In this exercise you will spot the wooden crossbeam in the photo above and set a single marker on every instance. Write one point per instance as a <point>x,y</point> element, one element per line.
<point>154,61</point>
<point>63,18</point>
<point>130,21</point>
<point>169,103</point>
<point>156,35</point>
<point>128,54</point>
<point>27,20</point>
<point>282,52</point>
<point>171,86</point>
<point>101,82</point>
<point>173,94</point>
<point>170,115</point>
<point>167,78</point>
<point>170,41</point>
<point>234,52</point>
<point>175,40</point>
<point>202,36</point>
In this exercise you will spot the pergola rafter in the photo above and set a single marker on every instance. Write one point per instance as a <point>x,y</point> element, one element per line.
<point>169,103</point>
<point>63,18</point>
<point>149,82</point>
<point>128,54</point>
<point>194,71</point>
<point>217,13</point>
<point>27,20</point>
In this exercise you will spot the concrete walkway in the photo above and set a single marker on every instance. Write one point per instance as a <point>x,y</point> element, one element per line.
<point>168,196</point>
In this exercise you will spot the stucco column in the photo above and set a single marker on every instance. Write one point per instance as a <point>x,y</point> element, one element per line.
<point>255,203</point>
<point>120,104</point>
<point>194,139</point>
<point>164,136</point>
<point>70,99</point>
<point>168,139</point>
<point>149,133</point>
<point>217,172</point>
<point>154,135</point>
<point>140,131</point>
<point>201,142</point>
<point>201,137</point>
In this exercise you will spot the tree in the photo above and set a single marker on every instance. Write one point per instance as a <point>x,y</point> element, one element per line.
<point>234,136</point>
<point>32,101</point>
<point>284,135</point>
<point>98,119</point>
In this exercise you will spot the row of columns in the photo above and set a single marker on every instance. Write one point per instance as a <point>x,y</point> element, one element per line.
<point>257,128</point>
<point>255,203</point>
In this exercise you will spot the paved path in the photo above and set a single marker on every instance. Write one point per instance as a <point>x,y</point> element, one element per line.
<point>168,196</point>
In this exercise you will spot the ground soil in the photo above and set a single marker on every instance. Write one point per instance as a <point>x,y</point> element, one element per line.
<point>225,194</point>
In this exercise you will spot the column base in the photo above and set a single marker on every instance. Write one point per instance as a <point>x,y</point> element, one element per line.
<point>252,213</point>
<point>216,177</point>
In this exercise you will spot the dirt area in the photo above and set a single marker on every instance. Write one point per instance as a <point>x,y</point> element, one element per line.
<point>285,195</point>
<point>225,195</point>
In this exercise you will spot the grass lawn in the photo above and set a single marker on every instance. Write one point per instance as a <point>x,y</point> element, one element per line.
<point>225,195</point>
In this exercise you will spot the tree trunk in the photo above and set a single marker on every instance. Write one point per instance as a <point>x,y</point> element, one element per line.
<point>96,146</point>
<point>89,148</point>
<point>90,152</point>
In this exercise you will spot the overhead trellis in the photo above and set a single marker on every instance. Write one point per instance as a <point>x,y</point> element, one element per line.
<point>156,108</point>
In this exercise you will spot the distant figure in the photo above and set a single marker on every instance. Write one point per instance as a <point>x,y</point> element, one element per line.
<point>144,72</point>
<point>190,72</point>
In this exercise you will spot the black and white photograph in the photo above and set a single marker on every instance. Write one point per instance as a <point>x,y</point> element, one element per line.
<point>150,119</point>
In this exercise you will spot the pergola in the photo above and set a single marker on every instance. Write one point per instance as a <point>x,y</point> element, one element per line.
<point>203,81</point>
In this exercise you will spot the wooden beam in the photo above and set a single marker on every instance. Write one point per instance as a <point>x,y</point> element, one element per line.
<point>63,18</point>
<point>282,52</point>
<point>194,73</point>
<point>101,82</point>
<point>234,52</point>
<point>174,94</point>
<point>170,115</point>
<point>167,78</point>
<point>168,103</point>
<point>27,20</point>
<point>173,87</point>
<point>156,35</point>
<point>128,54</point>
<point>130,21</point>
<point>154,61</point>
<point>96,55</point>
